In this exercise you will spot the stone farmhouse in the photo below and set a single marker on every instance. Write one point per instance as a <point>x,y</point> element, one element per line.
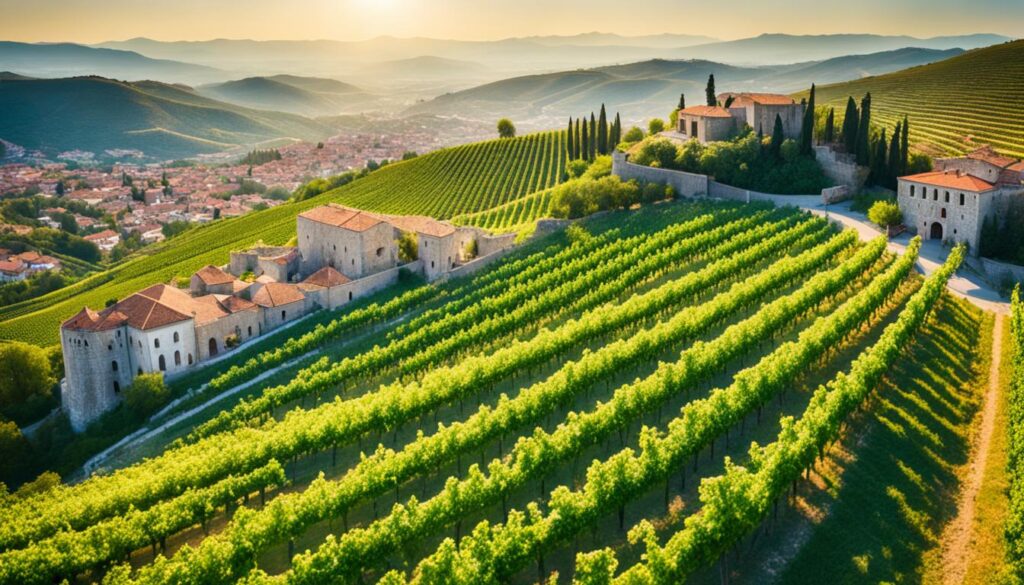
<point>342,254</point>
<point>757,110</point>
<point>952,202</point>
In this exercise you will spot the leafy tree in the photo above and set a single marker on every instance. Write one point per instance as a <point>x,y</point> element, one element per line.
<point>14,451</point>
<point>655,126</point>
<point>408,247</point>
<point>709,91</point>
<point>851,121</point>
<point>409,155</point>
<point>216,213</point>
<point>506,129</point>
<point>575,168</point>
<point>634,134</point>
<point>807,130</point>
<point>778,136</point>
<point>885,214</point>
<point>146,394</point>
<point>657,152</point>
<point>602,132</point>
<point>863,150</point>
<point>60,189</point>
<point>830,127</point>
<point>24,372</point>
<point>173,228</point>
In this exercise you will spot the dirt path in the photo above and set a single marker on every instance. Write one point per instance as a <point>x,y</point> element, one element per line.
<point>957,545</point>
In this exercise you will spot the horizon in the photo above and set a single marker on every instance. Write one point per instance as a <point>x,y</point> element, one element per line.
<point>77,21</point>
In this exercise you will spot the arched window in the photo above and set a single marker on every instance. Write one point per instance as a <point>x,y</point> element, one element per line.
<point>156,343</point>
<point>213,346</point>
<point>935,194</point>
<point>350,295</point>
<point>86,343</point>
<point>177,358</point>
<point>431,263</point>
<point>140,371</point>
<point>190,359</point>
<point>947,196</point>
<point>117,387</point>
<point>284,314</point>
<point>176,338</point>
<point>943,212</point>
<point>163,363</point>
<point>380,252</point>
<point>911,190</point>
<point>250,330</point>
<point>113,365</point>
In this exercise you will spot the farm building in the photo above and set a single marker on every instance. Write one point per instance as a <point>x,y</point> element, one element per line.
<point>757,110</point>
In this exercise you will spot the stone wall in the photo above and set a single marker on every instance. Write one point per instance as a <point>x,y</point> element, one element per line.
<point>475,265</point>
<point>723,191</point>
<point>274,317</point>
<point>338,296</point>
<point>488,244</point>
<point>91,385</point>
<point>245,324</point>
<point>959,214</point>
<point>830,195</point>
<point>996,272</point>
<point>685,184</point>
<point>840,168</point>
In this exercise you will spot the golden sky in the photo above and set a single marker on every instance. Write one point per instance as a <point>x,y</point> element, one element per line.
<point>90,21</point>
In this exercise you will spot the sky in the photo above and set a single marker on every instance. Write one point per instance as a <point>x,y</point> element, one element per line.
<point>91,21</point>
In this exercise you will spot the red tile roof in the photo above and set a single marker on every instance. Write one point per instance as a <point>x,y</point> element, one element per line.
<point>339,216</point>
<point>11,266</point>
<point>951,180</point>
<point>706,111</point>
<point>327,277</point>
<point>211,275</point>
<point>275,294</point>
<point>987,154</point>
<point>105,234</point>
<point>421,224</point>
<point>765,99</point>
<point>156,306</point>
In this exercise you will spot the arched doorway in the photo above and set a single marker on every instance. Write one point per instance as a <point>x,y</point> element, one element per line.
<point>936,231</point>
<point>213,347</point>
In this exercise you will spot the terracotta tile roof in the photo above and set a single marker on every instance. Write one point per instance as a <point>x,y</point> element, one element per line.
<point>327,277</point>
<point>235,304</point>
<point>340,216</point>
<point>421,224</point>
<point>212,275</point>
<point>951,180</point>
<point>30,257</point>
<point>765,99</point>
<point>1018,166</point>
<point>11,266</point>
<point>706,111</point>
<point>238,286</point>
<point>101,235</point>
<point>987,154</point>
<point>156,306</point>
<point>275,294</point>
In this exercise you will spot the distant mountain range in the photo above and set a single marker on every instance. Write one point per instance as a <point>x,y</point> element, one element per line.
<point>67,60</point>
<point>651,88</point>
<point>162,120</point>
<point>308,96</point>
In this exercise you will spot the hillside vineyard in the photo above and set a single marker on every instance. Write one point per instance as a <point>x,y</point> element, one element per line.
<point>517,421</point>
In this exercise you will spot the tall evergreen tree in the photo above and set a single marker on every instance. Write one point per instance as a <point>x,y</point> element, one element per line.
<point>830,127</point>
<point>602,132</point>
<point>616,136</point>
<point>593,137</point>
<point>709,92</point>
<point>877,161</point>
<point>580,140</point>
<point>778,136</point>
<point>569,149</point>
<point>892,162</point>
<point>585,143</point>
<point>905,147</point>
<point>851,121</point>
<point>864,132</point>
<point>682,102</point>
<point>807,129</point>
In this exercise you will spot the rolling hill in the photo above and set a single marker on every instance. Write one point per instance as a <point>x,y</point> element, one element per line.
<point>444,183</point>
<point>68,60</point>
<point>651,88</point>
<point>954,105</point>
<point>164,121</point>
<point>307,96</point>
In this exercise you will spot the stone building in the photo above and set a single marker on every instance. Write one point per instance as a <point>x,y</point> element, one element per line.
<point>211,280</point>
<point>952,202</point>
<point>280,263</point>
<point>355,243</point>
<point>757,110</point>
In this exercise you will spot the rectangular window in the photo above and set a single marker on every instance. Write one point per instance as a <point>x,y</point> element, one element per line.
<point>961,199</point>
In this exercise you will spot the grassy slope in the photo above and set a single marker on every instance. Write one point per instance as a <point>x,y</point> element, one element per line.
<point>457,180</point>
<point>954,105</point>
<point>897,482</point>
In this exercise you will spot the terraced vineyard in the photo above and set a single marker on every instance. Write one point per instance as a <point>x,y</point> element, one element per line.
<point>510,216</point>
<point>954,105</point>
<point>520,421</point>
<point>464,179</point>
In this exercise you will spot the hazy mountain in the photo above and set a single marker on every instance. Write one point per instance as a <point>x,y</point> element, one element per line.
<point>651,88</point>
<point>774,49</point>
<point>67,59</point>
<point>308,96</point>
<point>10,76</point>
<point>162,120</point>
<point>665,41</point>
<point>426,67</point>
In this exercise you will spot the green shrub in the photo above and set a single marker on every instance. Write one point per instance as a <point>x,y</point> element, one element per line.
<point>885,214</point>
<point>146,394</point>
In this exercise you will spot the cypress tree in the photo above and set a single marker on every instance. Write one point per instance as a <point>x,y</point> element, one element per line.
<point>585,144</point>
<point>682,101</point>
<point>905,147</point>
<point>569,149</point>
<point>830,126</point>
<point>877,161</point>
<point>851,121</point>
<point>710,91</point>
<point>864,132</point>
<point>616,137</point>
<point>593,136</point>
<point>777,138</point>
<point>892,166</point>
<point>807,130</point>
<point>579,140</point>
<point>602,132</point>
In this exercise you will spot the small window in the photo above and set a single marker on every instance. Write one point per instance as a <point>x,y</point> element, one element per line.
<point>380,252</point>
<point>190,359</point>
<point>250,330</point>
<point>350,295</point>
<point>431,263</point>
<point>177,358</point>
<point>163,363</point>
<point>110,347</point>
<point>113,365</point>
<point>86,343</point>
<point>156,343</point>
<point>962,199</point>
<point>334,247</point>
<point>947,196</point>
<point>943,213</point>
<point>117,387</point>
<point>176,337</point>
<point>140,371</point>
<point>935,194</point>
<point>911,190</point>
<point>353,262</point>
<point>284,315</point>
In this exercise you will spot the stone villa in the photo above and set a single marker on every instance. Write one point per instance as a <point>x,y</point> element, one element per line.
<point>757,110</point>
<point>951,202</point>
<point>342,254</point>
